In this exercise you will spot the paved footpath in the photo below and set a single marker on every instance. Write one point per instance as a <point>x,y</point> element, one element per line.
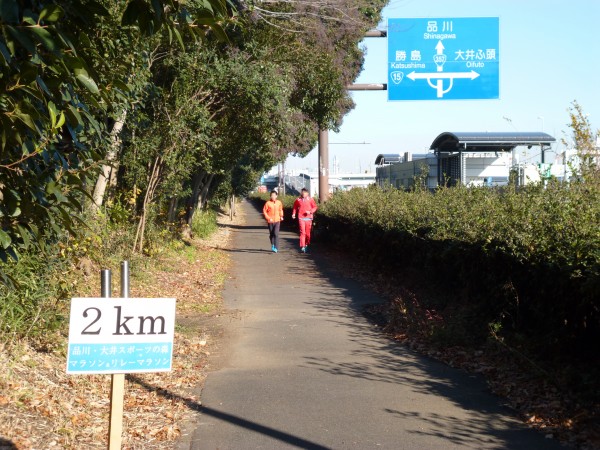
<point>304,369</point>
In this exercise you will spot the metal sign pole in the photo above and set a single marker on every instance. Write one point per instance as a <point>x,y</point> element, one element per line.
<point>105,283</point>
<point>117,385</point>
<point>324,134</point>
<point>124,279</point>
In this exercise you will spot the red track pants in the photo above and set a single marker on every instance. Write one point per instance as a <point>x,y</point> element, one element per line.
<point>305,227</point>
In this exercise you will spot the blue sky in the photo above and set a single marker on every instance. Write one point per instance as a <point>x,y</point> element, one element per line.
<point>549,56</point>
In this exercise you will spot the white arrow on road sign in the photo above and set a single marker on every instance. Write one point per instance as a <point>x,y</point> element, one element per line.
<point>442,75</point>
<point>439,58</point>
<point>440,48</point>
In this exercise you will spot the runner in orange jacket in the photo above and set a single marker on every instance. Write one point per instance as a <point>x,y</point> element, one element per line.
<point>304,207</point>
<point>273,212</point>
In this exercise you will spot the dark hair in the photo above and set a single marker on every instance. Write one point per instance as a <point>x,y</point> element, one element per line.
<point>304,190</point>
<point>274,192</point>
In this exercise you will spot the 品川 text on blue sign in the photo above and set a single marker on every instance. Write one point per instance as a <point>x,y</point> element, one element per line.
<point>117,335</point>
<point>443,59</point>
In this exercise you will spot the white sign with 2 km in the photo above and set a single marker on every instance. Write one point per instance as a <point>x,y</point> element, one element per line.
<point>120,335</point>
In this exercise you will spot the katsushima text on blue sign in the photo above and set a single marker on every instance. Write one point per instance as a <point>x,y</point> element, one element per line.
<point>443,59</point>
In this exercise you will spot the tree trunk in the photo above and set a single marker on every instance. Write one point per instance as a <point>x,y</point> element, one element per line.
<point>197,183</point>
<point>113,174</point>
<point>138,243</point>
<point>200,199</point>
<point>109,170</point>
<point>232,207</point>
<point>173,203</point>
<point>203,198</point>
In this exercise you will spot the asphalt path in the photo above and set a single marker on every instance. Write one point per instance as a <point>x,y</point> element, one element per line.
<point>303,368</point>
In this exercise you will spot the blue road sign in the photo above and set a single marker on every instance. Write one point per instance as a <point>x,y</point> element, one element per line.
<point>443,59</point>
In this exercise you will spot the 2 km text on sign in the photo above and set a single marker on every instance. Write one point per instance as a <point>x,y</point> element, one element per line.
<point>120,335</point>
<point>443,59</point>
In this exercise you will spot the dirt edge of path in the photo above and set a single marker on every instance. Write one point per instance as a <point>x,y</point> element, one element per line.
<point>41,407</point>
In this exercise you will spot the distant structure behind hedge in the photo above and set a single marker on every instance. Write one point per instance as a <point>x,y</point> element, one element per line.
<point>469,159</point>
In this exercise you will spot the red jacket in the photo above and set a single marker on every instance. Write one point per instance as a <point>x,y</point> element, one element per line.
<point>304,208</point>
<point>273,211</point>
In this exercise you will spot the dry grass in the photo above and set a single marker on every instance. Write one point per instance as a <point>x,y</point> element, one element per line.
<point>41,407</point>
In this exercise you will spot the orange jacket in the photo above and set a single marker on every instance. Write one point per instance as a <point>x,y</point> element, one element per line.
<point>273,211</point>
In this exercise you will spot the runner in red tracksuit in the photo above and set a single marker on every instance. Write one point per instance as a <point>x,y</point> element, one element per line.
<point>304,208</point>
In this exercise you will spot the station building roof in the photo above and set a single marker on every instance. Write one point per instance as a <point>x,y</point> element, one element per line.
<point>387,158</point>
<point>488,141</point>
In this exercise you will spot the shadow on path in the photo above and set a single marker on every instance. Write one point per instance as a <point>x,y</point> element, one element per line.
<point>246,250</point>
<point>483,420</point>
<point>243,227</point>
<point>6,444</point>
<point>235,420</point>
<point>312,343</point>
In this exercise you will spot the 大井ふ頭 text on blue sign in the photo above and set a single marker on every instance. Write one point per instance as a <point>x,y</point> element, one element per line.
<point>443,59</point>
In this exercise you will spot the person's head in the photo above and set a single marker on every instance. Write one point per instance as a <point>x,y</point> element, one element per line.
<point>304,193</point>
<point>273,195</point>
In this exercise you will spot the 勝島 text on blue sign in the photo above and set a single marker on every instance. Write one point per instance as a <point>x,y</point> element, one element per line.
<point>443,59</point>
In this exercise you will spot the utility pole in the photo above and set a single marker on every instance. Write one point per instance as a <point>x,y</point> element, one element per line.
<point>323,165</point>
<point>283,177</point>
<point>543,153</point>
<point>324,134</point>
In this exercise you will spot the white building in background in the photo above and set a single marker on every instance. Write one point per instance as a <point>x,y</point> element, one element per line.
<point>399,171</point>
<point>337,181</point>
<point>468,159</point>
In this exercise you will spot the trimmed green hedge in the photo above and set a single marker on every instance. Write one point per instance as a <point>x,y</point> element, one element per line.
<point>528,259</point>
<point>286,200</point>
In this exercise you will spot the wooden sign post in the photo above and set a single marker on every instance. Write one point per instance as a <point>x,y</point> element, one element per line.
<point>117,336</point>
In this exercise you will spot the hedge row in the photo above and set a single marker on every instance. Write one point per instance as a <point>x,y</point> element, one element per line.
<point>529,258</point>
<point>287,200</point>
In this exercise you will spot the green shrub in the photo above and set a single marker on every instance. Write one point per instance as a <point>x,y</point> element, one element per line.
<point>34,300</point>
<point>529,256</point>
<point>287,200</point>
<point>35,303</point>
<point>204,224</point>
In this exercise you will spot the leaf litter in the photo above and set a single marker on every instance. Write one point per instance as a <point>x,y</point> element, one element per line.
<point>541,399</point>
<point>41,407</point>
